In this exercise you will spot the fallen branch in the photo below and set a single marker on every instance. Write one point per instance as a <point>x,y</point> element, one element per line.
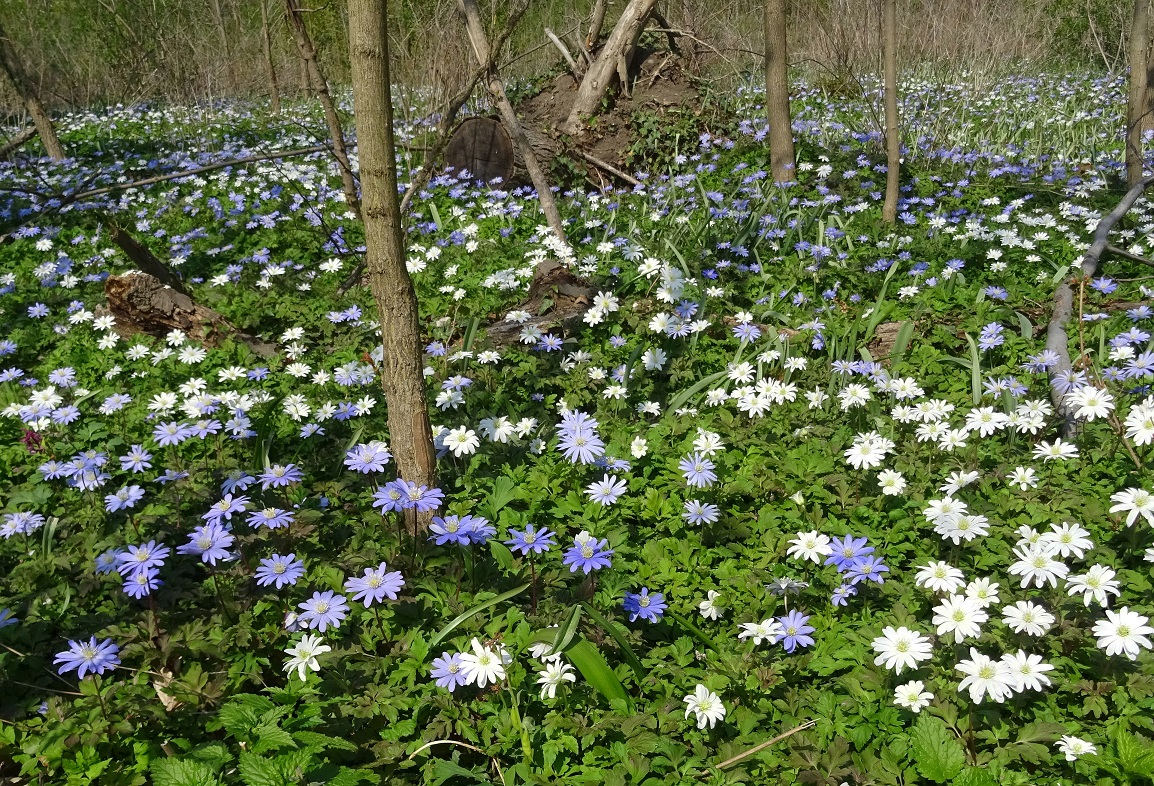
<point>1056,339</point>
<point>1121,252</point>
<point>1102,234</point>
<point>762,746</point>
<point>564,50</point>
<point>148,181</point>
<point>597,162</point>
<point>17,141</point>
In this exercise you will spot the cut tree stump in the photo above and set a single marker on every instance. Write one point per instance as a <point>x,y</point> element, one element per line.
<point>142,304</point>
<point>482,147</point>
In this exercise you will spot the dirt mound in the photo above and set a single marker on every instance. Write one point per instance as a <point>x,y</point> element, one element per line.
<point>659,82</point>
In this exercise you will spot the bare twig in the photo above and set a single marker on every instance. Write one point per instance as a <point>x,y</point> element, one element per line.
<point>597,162</point>
<point>493,759</point>
<point>564,50</point>
<point>762,746</point>
<point>1121,252</point>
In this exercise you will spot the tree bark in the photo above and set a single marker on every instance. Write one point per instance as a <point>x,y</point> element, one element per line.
<point>10,63</point>
<point>270,66</point>
<point>618,48</point>
<point>320,86</point>
<point>487,59</point>
<point>402,370</point>
<point>1136,110</point>
<point>144,259</point>
<point>893,143</point>
<point>595,24</point>
<point>1148,117</point>
<point>781,157</point>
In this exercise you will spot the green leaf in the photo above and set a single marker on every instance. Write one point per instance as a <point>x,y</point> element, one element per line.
<point>596,671</point>
<point>567,630</point>
<point>182,772</point>
<point>936,752</point>
<point>975,776</point>
<point>259,771</point>
<point>443,770</point>
<point>350,777</point>
<point>1135,754</point>
<point>501,554</point>
<point>271,737</point>
<point>693,630</point>
<point>975,371</point>
<point>902,341</point>
<point>678,401</point>
<point>504,491</point>
<point>618,637</point>
<point>324,741</point>
<point>1025,325</point>
<point>445,631</point>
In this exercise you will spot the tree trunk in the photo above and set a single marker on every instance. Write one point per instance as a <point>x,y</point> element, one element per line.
<point>486,59</point>
<point>1137,105</point>
<point>618,49</point>
<point>225,52</point>
<point>320,86</point>
<point>893,143</point>
<point>595,24</point>
<point>1148,117</point>
<point>402,370</point>
<point>10,64</point>
<point>781,160</point>
<point>270,66</point>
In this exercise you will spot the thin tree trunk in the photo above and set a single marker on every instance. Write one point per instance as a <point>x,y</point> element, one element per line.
<point>402,374</point>
<point>1148,117</point>
<point>1139,33</point>
<point>225,51</point>
<point>781,158</point>
<point>486,58</point>
<point>595,24</point>
<point>270,66</point>
<point>893,143</point>
<point>320,86</point>
<point>618,49</point>
<point>10,64</point>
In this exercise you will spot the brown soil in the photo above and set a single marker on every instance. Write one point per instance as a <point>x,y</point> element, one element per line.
<point>659,83</point>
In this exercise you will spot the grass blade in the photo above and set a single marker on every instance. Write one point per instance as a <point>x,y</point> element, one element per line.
<point>693,630</point>
<point>618,637</point>
<point>445,631</point>
<point>567,631</point>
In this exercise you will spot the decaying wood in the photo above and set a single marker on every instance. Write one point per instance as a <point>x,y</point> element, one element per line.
<point>605,165</point>
<point>599,78</point>
<point>142,304</point>
<point>482,147</point>
<point>562,297</point>
<point>595,24</point>
<point>143,258</point>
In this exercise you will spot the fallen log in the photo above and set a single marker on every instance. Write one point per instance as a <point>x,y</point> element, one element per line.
<point>142,304</point>
<point>1056,338</point>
